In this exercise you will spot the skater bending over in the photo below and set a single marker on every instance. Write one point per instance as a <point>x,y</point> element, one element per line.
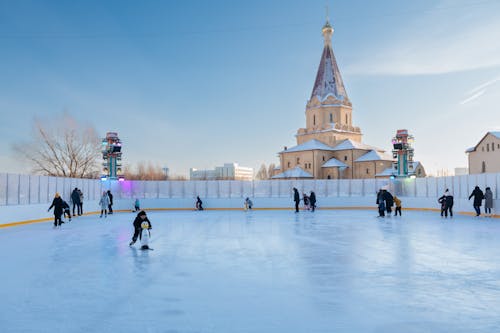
<point>397,202</point>
<point>66,210</point>
<point>140,218</point>
<point>248,204</point>
<point>199,203</point>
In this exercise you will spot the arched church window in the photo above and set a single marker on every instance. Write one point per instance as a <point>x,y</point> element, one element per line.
<point>487,147</point>
<point>314,119</point>
<point>346,121</point>
<point>483,167</point>
<point>288,164</point>
<point>492,146</point>
<point>331,118</point>
<point>345,158</point>
<point>329,177</point>
<point>298,160</point>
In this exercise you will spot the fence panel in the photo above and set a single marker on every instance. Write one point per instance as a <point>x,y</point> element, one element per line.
<point>262,188</point>
<point>344,187</point>
<point>357,187</point>
<point>236,189</point>
<point>24,190</point>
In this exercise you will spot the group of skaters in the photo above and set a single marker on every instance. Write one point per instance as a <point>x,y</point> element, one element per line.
<point>385,202</point>
<point>308,200</point>
<point>61,207</point>
<point>479,196</point>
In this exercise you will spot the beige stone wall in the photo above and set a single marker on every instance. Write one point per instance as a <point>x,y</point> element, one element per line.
<point>369,169</point>
<point>330,138</point>
<point>334,173</point>
<point>487,151</point>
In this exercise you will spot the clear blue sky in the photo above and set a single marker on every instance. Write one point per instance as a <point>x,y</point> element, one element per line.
<point>200,83</point>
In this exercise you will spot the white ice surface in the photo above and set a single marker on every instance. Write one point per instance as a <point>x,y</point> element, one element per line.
<point>261,271</point>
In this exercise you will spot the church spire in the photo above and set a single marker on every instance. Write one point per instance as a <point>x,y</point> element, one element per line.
<point>328,79</point>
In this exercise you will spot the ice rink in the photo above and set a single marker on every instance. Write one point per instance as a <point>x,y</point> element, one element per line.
<point>260,271</point>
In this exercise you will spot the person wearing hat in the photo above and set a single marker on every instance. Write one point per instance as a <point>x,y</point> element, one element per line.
<point>140,218</point>
<point>57,204</point>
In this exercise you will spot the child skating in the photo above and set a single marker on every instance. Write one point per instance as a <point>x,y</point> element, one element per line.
<point>138,229</point>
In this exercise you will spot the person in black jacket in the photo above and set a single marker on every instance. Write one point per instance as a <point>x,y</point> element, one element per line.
<point>296,198</point>
<point>312,201</point>
<point>66,211</point>
<point>380,203</point>
<point>389,202</point>
<point>199,203</point>
<point>478,198</point>
<point>141,217</point>
<point>449,204</point>
<point>57,203</point>
<point>110,206</point>
<point>75,199</point>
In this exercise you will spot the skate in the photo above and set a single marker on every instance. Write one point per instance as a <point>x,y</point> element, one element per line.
<point>131,243</point>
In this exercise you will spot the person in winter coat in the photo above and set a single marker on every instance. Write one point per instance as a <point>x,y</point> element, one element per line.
<point>478,198</point>
<point>296,198</point>
<point>141,217</point>
<point>389,202</point>
<point>442,201</point>
<point>57,204</point>
<point>312,201</point>
<point>488,201</point>
<point>397,202</point>
<point>248,204</point>
<point>66,211</point>
<point>381,203</point>
<point>199,203</point>
<point>104,203</point>
<point>110,207</point>
<point>306,201</point>
<point>75,199</point>
<point>448,204</point>
<point>80,206</point>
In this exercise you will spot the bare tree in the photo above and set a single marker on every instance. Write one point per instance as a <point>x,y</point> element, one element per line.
<point>62,147</point>
<point>262,173</point>
<point>144,171</point>
<point>270,170</point>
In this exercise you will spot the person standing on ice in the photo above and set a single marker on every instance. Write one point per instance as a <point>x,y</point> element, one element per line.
<point>478,198</point>
<point>306,201</point>
<point>137,205</point>
<point>296,198</point>
<point>312,201</point>
<point>75,199</point>
<point>110,207</point>
<point>141,217</point>
<point>57,203</point>
<point>397,202</point>
<point>80,205</point>
<point>488,201</point>
<point>380,203</point>
<point>448,203</point>
<point>104,203</point>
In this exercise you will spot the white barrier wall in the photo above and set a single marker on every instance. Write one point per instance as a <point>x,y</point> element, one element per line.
<point>17,192</point>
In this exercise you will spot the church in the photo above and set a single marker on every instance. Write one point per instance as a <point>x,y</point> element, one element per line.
<point>330,146</point>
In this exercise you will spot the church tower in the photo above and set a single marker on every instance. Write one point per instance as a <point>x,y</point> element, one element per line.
<point>329,110</point>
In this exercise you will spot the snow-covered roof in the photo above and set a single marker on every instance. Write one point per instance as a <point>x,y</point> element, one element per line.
<point>470,150</point>
<point>334,163</point>
<point>387,172</point>
<point>350,144</point>
<point>374,155</point>
<point>309,145</point>
<point>296,172</point>
<point>328,79</point>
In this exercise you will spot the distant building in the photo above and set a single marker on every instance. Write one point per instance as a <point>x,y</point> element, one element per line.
<point>330,146</point>
<point>485,155</point>
<point>461,171</point>
<point>229,171</point>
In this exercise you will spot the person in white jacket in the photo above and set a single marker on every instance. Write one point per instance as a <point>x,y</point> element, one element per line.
<point>104,203</point>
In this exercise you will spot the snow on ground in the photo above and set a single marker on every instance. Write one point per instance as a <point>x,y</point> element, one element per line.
<point>261,271</point>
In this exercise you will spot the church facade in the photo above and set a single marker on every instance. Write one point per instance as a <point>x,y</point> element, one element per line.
<point>330,146</point>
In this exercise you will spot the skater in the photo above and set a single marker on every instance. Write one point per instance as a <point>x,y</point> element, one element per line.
<point>488,202</point>
<point>141,217</point>
<point>448,204</point>
<point>296,198</point>
<point>248,204</point>
<point>380,203</point>
<point>104,203</point>
<point>306,201</point>
<point>137,205</point>
<point>80,205</point>
<point>389,202</point>
<point>397,202</point>
<point>199,203</point>
<point>312,201</point>
<point>57,203</point>
<point>110,206</point>
<point>66,210</point>
<point>75,199</point>
<point>478,198</point>
<point>442,201</point>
